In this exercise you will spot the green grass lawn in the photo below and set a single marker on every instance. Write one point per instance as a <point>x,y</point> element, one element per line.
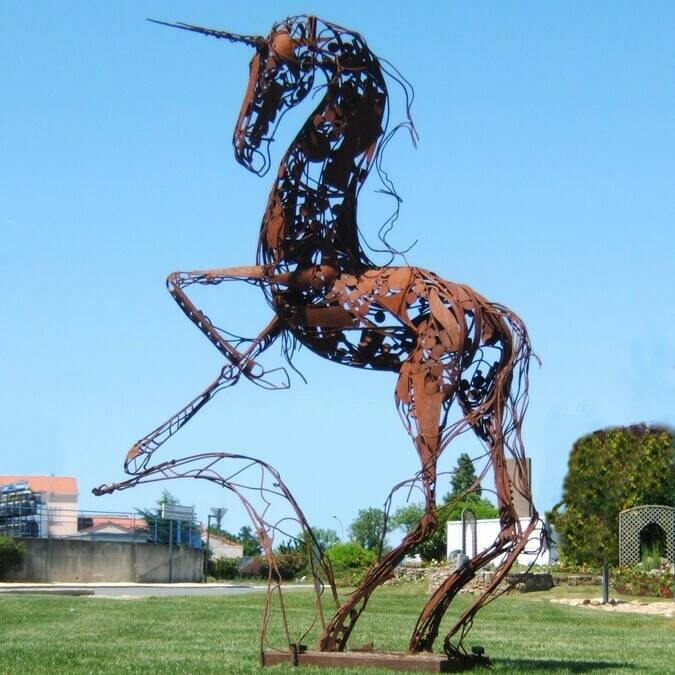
<point>526,633</point>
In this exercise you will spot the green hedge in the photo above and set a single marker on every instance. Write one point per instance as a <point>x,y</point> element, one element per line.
<point>224,568</point>
<point>289,566</point>
<point>12,553</point>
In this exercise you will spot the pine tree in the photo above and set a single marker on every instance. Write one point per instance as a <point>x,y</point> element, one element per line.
<point>463,478</point>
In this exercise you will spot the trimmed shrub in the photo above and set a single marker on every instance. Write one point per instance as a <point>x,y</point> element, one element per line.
<point>290,565</point>
<point>224,568</point>
<point>12,553</point>
<point>255,566</point>
<point>350,556</point>
<point>350,562</point>
<point>367,529</point>
<point>609,471</point>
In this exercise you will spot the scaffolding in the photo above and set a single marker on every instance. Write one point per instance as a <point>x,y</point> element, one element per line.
<point>24,514</point>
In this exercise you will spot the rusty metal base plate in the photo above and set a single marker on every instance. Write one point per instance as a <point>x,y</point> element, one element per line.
<point>428,663</point>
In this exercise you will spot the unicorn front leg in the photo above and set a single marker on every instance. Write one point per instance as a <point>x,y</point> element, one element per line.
<point>177,281</point>
<point>240,363</point>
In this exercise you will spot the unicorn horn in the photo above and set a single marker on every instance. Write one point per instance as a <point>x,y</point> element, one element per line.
<point>256,41</point>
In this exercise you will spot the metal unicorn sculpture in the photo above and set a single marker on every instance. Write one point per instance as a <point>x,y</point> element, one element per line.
<point>445,342</point>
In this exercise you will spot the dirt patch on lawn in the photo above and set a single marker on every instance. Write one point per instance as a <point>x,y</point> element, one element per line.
<point>665,609</point>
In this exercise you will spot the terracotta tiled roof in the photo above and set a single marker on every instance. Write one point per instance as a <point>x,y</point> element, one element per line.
<point>64,485</point>
<point>109,523</point>
<point>121,521</point>
<point>220,538</point>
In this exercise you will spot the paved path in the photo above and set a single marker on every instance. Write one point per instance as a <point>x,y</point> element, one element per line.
<point>124,590</point>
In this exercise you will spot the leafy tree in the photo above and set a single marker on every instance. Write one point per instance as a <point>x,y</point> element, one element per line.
<point>167,499</point>
<point>367,528</point>
<point>325,537</point>
<point>609,471</point>
<point>290,546</point>
<point>223,533</point>
<point>407,517</point>
<point>249,541</point>
<point>482,508</point>
<point>292,551</point>
<point>159,528</point>
<point>435,547</point>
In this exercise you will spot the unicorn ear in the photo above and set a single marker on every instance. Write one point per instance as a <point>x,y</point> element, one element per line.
<point>284,46</point>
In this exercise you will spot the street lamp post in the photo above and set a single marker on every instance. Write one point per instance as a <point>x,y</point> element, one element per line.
<point>208,542</point>
<point>342,529</point>
<point>217,513</point>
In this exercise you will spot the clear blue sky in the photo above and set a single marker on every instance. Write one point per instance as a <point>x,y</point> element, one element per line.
<point>544,178</point>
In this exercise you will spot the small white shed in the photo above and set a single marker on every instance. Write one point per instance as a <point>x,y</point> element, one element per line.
<point>487,531</point>
<point>222,547</point>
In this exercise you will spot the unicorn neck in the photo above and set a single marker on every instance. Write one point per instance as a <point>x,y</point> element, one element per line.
<point>311,213</point>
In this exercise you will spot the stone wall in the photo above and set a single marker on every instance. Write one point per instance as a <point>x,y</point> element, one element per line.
<point>75,561</point>
<point>563,579</point>
<point>435,576</point>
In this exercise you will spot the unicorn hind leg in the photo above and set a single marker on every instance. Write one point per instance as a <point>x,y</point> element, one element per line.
<point>496,419</point>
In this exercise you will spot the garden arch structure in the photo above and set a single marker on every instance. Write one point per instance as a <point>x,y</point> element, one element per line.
<point>633,521</point>
<point>469,520</point>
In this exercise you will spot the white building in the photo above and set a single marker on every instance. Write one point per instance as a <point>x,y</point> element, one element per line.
<point>59,498</point>
<point>113,528</point>
<point>487,532</point>
<point>222,547</point>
